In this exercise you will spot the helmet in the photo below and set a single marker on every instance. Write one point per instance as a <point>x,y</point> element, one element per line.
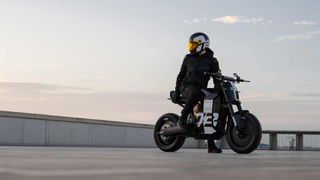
<point>198,42</point>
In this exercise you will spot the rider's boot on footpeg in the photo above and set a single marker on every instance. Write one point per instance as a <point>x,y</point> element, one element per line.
<point>212,148</point>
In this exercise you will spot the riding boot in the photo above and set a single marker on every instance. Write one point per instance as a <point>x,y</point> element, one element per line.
<point>212,148</point>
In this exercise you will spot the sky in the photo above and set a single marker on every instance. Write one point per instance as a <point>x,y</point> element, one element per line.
<point>118,60</point>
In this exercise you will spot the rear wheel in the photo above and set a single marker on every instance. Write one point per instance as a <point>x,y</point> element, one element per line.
<point>248,138</point>
<point>165,143</point>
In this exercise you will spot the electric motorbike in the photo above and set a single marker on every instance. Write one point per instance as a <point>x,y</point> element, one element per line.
<point>219,114</point>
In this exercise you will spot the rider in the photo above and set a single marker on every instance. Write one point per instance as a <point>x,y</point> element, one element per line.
<point>191,78</point>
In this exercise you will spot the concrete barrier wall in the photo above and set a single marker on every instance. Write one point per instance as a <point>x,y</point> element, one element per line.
<point>44,130</point>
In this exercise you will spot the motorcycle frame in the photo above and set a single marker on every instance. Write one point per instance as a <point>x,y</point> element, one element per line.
<point>212,104</point>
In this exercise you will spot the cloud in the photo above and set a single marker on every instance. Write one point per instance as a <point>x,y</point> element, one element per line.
<point>92,79</point>
<point>241,19</point>
<point>64,100</point>
<point>186,21</point>
<point>227,19</point>
<point>38,87</point>
<point>303,36</point>
<point>304,23</point>
<point>195,20</point>
<point>231,20</point>
<point>312,95</point>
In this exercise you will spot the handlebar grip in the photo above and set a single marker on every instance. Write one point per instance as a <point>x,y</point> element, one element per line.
<point>242,80</point>
<point>228,78</point>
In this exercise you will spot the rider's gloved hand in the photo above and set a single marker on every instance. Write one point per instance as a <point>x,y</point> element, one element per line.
<point>176,97</point>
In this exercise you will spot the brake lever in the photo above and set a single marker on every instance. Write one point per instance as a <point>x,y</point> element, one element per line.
<point>236,75</point>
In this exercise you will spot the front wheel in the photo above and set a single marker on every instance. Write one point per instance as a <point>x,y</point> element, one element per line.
<point>247,138</point>
<point>165,143</point>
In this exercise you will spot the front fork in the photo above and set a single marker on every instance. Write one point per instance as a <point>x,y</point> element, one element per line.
<point>237,117</point>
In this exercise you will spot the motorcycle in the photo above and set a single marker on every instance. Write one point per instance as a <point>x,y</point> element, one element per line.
<point>211,119</point>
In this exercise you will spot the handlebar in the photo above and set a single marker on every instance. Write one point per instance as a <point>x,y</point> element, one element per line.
<point>219,76</point>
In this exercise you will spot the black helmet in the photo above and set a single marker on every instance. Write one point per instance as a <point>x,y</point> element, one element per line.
<point>198,42</point>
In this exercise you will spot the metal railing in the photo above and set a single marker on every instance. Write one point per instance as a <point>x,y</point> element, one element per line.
<point>290,140</point>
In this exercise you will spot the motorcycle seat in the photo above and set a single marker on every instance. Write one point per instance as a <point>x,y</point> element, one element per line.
<point>211,90</point>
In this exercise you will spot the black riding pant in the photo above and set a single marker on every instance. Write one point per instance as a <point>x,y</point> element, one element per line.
<point>193,94</point>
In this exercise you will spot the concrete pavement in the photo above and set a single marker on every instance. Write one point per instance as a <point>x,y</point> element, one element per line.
<point>52,163</point>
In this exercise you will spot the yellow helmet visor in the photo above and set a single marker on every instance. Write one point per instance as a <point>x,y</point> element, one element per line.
<point>193,45</point>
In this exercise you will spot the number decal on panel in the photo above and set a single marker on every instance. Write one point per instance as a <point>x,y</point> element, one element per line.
<point>207,119</point>
<point>215,119</point>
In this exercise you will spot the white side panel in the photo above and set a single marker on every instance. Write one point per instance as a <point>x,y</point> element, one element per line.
<point>207,106</point>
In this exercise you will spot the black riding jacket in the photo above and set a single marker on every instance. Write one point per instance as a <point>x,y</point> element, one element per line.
<point>193,68</point>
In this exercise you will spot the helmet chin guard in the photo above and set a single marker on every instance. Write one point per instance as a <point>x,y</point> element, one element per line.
<point>198,42</point>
